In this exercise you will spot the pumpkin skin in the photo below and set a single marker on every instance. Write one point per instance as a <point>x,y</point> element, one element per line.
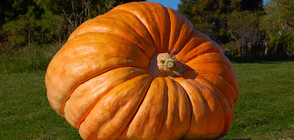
<point>101,82</point>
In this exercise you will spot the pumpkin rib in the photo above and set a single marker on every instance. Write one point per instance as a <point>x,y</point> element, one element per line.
<point>135,45</point>
<point>194,75</point>
<point>236,91</point>
<point>86,23</point>
<point>195,56</point>
<point>196,85</point>
<point>72,42</point>
<point>124,38</point>
<point>148,121</point>
<point>166,108</point>
<point>146,25</point>
<point>220,95</point>
<point>207,49</point>
<point>138,105</point>
<point>111,13</point>
<point>231,73</point>
<point>95,132</point>
<point>151,26</point>
<point>84,70</point>
<point>74,87</point>
<point>132,118</point>
<point>201,60</point>
<point>201,92</point>
<point>91,26</point>
<point>190,104</point>
<point>190,35</point>
<point>177,119</point>
<point>142,23</point>
<point>163,33</point>
<point>178,37</point>
<point>207,72</point>
<point>235,95</point>
<point>139,45</point>
<point>133,40</point>
<point>218,90</point>
<point>175,51</point>
<point>82,82</point>
<point>78,97</point>
<point>196,40</point>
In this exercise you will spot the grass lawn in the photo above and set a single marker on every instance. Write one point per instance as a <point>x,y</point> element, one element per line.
<point>265,108</point>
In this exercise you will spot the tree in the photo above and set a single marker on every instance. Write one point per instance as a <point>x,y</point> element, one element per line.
<point>208,16</point>
<point>46,21</point>
<point>278,24</point>
<point>251,5</point>
<point>244,29</point>
<point>225,21</point>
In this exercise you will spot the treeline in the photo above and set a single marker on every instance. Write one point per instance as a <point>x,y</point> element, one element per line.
<point>242,27</point>
<point>245,27</point>
<point>34,22</point>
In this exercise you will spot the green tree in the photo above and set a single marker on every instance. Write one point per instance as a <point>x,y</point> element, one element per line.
<point>11,10</point>
<point>46,21</point>
<point>20,23</point>
<point>208,16</point>
<point>251,5</point>
<point>244,29</point>
<point>279,23</point>
<point>225,21</point>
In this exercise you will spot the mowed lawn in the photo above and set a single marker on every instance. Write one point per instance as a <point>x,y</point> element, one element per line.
<point>264,110</point>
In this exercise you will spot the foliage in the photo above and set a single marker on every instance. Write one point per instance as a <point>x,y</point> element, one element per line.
<point>279,25</point>
<point>75,12</point>
<point>45,21</point>
<point>10,10</point>
<point>208,16</point>
<point>28,29</point>
<point>226,22</point>
<point>244,29</point>
<point>251,5</point>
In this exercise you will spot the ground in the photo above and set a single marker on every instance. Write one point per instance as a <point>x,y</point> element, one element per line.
<point>264,110</point>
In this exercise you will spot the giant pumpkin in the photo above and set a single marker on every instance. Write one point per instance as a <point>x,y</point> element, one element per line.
<point>141,71</point>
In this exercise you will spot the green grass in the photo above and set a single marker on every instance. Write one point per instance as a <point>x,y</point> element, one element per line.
<point>265,107</point>
<point>25,112</point>
<point>27,59</point>
<point>264,110</point>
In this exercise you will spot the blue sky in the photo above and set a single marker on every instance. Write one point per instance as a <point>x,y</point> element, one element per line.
<point>168,3</point>
<point>174,3</point>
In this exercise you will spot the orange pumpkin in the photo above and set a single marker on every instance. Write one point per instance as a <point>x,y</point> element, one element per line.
<point>142,71</point>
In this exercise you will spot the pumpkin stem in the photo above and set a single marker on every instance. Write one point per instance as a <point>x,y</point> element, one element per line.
<point>170,65</point>
<point>163,64</point>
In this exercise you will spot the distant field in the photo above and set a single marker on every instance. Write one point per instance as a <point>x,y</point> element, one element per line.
<point>265,108</point>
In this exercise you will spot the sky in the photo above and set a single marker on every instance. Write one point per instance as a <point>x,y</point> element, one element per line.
<point>168,3</point>
<point>174,3</point>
